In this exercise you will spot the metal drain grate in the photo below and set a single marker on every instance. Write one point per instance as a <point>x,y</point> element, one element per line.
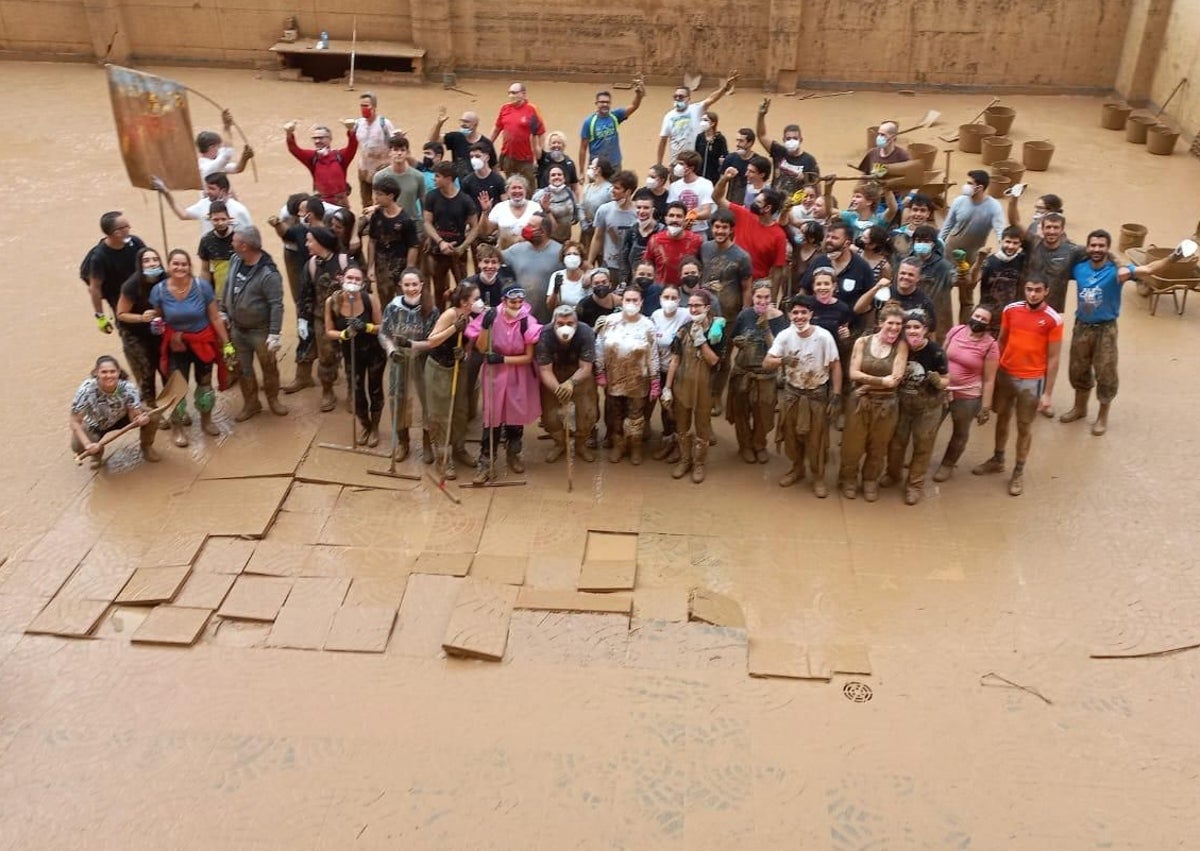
<point>857,692</point>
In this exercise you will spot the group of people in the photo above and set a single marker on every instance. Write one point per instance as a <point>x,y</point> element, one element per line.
<point>581,297</point>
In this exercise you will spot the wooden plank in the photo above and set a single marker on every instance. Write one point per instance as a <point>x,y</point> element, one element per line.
<point>385,49</point>
<point>717,609</point>
<point>565,600</point>
<point>151,585</point>
<point>361,629</point>
<point>255,598</point>
<point>479,621</point>
<point>224,555</point>
<point>68,617</point>
<point>179,625</point>
<point>509,570</point>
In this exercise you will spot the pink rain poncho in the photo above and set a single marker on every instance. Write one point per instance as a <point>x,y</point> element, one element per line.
<point>510,391</point>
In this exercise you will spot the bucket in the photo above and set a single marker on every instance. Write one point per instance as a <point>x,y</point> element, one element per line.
<point>1114,115</point>
<point>997,184</point>
<point>1000,117</point>
<point>1132,236</point>
<point>872,132</point>
<point>1013,169</point>
<point>996,148</point>
<point>924,152</point>
<point>1161,140</point>
<point>970,136</point>
<point>1137,128</point>
<point>1036,155</point>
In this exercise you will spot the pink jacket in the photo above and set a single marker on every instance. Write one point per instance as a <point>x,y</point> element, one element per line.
<point>511,395</point>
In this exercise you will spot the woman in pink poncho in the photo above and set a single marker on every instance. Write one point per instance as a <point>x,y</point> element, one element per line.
<point>506,336</point>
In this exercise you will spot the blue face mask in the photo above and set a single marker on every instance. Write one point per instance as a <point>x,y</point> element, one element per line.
<point>153,272</point>
<point>922,248</point>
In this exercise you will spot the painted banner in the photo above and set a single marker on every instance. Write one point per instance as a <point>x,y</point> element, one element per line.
<point>154,129</point>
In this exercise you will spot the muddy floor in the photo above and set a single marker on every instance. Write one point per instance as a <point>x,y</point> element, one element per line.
<point>955,704</point>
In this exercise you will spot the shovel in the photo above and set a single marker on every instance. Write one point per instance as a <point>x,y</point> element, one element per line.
<point>929,120</point>
<point>174,390</point>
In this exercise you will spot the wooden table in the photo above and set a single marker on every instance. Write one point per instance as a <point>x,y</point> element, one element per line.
<point>369,55</point>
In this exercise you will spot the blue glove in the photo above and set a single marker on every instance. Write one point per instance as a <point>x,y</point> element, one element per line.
<point>717,330</point>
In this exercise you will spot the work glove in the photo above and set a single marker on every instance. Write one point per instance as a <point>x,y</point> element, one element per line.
<point>348,333</point>
<point>104,323</point>
<point>565,391</point>
<point>495,358</point>
<point>835,405</point>
<point>357,323</point>
<point>655,388</point>
<point>302,329</point>
<point>716,330</point>
<point>667,396</point>
<point>697,335</point>
<point>403,343</point>
<point>228,350</point>
<point>274,343</point>
<point>371,327</point>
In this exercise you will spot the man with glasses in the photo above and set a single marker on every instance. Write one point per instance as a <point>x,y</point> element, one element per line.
<point>327,165</point>
<point>520,125</point>
<point>112,261</point>
<point>681,124</point>
<point>598,136</point>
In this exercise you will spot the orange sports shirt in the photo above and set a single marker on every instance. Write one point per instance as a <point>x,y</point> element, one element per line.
<point>1028,334</point>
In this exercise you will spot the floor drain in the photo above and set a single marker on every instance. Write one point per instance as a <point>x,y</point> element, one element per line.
<point>857,692</point>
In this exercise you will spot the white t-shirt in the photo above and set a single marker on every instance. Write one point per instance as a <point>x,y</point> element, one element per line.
<point>814,355</point>
<point>504,217</point>
<point>695,196</point>
<point>570,292</point>
<point>225,161</point>
<point>665,329</point>
<point>373,152</point>
<point>681,129</point>
<point>237,211</point>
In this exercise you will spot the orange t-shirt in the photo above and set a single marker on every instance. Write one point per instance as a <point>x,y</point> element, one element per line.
<point>1027,335</point>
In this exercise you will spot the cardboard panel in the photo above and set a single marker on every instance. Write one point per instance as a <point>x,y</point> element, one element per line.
<point>563,600</point>
<point>443,564</point>
<point>227,506</point>
<point>717,609</point>
<point>272,558</point>
<point>153,585</point>
<point>377,592</point>
<point>204,590</point>
<point>361,629</point>
<point>609,562</point>
<point>661,604</point>
<point>479,622</point>
<point>68,617</point>
<point>255,598</point>
<point>180,625</point>
<point>509,570</point>
<point>224,555</point>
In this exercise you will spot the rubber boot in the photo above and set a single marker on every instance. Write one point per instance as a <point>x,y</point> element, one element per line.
<point>556,451</point>
<point>635,450</point>
<point>304,378</point>
<point>1101,424</point>
<point>582,451</point>
<point>912,495</point>
<point>682,468</point>
<point>512,457</point>
<point>208,426</point>
<point>461,456</point>
<point>1079,411</point>
<point>401,445</point>
<point>147,440</point>
<point>250,403</point>
<point>427,455</point>
<point>668,443</point>
<point>618,449</point>
<point>277,408</point>
<point>944,472</point>
<point>483,471</point>
<point>178,434</point>
<point>674,455</point>
<point>792,476</point>
<point>328,400</point>
<point>373,431</point>
<point>701,455</point>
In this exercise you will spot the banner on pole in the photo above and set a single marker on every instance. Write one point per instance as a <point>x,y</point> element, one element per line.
<point>154,128</point>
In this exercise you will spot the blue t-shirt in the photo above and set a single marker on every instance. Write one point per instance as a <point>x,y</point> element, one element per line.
<point>600,132</point>
<point>1099,292</point>
<point>189,314</point>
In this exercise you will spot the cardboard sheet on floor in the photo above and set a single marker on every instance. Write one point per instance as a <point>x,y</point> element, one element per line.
<point>224,555</point>
<point>565,600</point>
<point>776,657</point>
<point>68,617</point>
<point>273,558</point>
<point>255,598</point>
<point>180,625</point>
<point>335,467</point>
<point>227,506</point>
<point>509,570</point>
<point>312,498</point>
<point>358,562</point>
<point>273,446</point>
<point>172,548</point>
<point>848,659</point>
<point>421,624</point>
<point>96,582</point>
<point>361,629</point>
<point>717,609</point>
<point>34,578</point>
<point>661,604</point>
<point>377,592</point>
<point>609,562</point>
<point>204,590</point>
<point>297,527</point>
<point>478,624</point>
<point>150,585</point>
<point>443,564</point>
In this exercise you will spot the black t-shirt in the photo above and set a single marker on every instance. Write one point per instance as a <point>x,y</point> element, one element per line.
<point>460,151</point>
<point>450,215</point>
<point>1000,284</point>
<point>790,170</point>
<point>114,266</point>
<point>566,164</point>
<point>551,350</point>
<point>735,191</point>
<point>851,282</point>
<point>754,348</point>
<point>138,294</point>
<point>588,311</point>
<point>490,293</point>
<point>214,248</point>
<point>930,359</point>
<point>832,316</point>
<point>474,185</point>
<point>393,236</point>
<point>916,300</point>
<point>711,154</point>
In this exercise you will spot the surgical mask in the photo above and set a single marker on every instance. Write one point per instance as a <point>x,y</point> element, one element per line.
<point>477,306</point>
<point>349,287</point>
<point>516,202</point>
<point>643,282</point>
<point>601,290</point>
<point>630,308</point>
<point>557,156</point>
<point>153,272</point>
<point>677,170</point>
<point>967,189</point>
<point>1006,257</point>
<point>477,163</point>
<point>674,230</point>
<point>791,145</point>
<point>669,306</point>
<point>761,308</point>
<point>681,105</point>
<point>704,125</point>
<point>690,280</point>
<point>565,332</point>
<point>881,141</point>
<point>922,248</point>
<point>464,129</point>
<point>1038,216</point>
<point>977,326</point>
<point>572,261</point>
<point>528,233</point>
<point>416,302</point>
<point>365,111</point>
<point>651,182</point>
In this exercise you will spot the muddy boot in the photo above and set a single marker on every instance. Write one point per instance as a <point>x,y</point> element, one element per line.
<point>556,451</point>
<point>792,476</point>
<point>373,431</point>
<point>870,491</point>
<point>461,456</point>
<point>304,378</point>
<point>635,450</point>
<point>1016,485</point>
<point>1079,411</point>
<point>664,449</point>
<point>684,466</point>
<point>483,471</point>
<point>450,471</point>
<point>208,426</point>
<point>747,455</point>
<point>698,459</point>
<point>147,440</point>
<point>888,480</point>
<point>512,457</point>
<point>401,445</point>
<point>178,434</point>
<point>1101,424</point>
<point>250,403</point>
<point>944,472</point>
<point>674,455</point>
<point>427,455</point>
<point>912,496</point>
<point>277,408</point>
<point>618,449</point>
<point>582,451</point>
<point>995,464</point>
<point>328,400</point>
<point>820,490</point>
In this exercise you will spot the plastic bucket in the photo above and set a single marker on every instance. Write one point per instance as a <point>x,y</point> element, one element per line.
<point>1000,117</point>
<point>1114,115</point>
<point>924,152</point>
<point>997,184</point>
<point>995,148</point>
<point>1132,236</point>
<point>970,136</point>
<point>1137,128</point>
<point>1161,140</point>
<point>1036,155</point>
<point>1014,169</point>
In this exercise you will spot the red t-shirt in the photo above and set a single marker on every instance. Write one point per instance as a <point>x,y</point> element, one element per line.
<point>667,254</point>
<point>519,124</point>
<point>329,171</point>
<point>1027,334</point>
<point>766,245</point>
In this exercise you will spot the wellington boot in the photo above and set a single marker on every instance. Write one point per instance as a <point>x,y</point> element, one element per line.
<point>943,473</point>
<point>912,496</point>
<point>1101,424</point>
<point>792,476</point>
<point>582,451</point>
<point>870,491</point>
<point>698,459</point>
<point>1079,411</point>
<point>277,408</point>
<point>618,449</point>
<point>684,466</point>
<point>150,454</point>
<point>250,403</point>
<point>674,455</point>
<point>483,471</point>
<point>328,400</point>
<point>512,458</point>
<point>450,473</point>
<point>208,426</point>
<point>635,451</point>
<point>664,449</point>
<point>178,434</point>
<point>427,454</point>
<point>303,379</point>
<point>461,456</point>
<point>362,433</point>
<point>186,419</point>
<point>556,451</point>
<point>747,455</point>
<point>373,435</point>
<point>146,438</point>
<point>995,464</point>
<point>401,446</point>
<point>820,489</point>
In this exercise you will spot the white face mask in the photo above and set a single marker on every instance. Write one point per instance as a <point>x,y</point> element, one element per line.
<point>967,189</point>
<point>674,230</point>
<point>677,170</point>
<point>516,202</point>
<point>557,156</point>
<point>565,332</point>
<point>1005,256</point>
<point>572,261</point>
<point>350,287</point>
<point>477,163</point>
<point>791,145</point>
<point>465,130</point>
<point>630,308</point>
<point>881,141</point>
<point>591,173</point>
<point>669,305</point>
<point>651,182</point>
<point>704,125</point>
<point>477,306</point>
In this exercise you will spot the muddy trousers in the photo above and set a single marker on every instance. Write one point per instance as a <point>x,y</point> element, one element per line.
<point>586,409</point>
<point>440,414</point>
<point>439,269</point>
<point>751,408</point>
<point>804,428</point>
<point>146,433</point>
<point>870,423</point>
<point>142,356</point>
<point>366,382</point>
<point>917,423</point>
<point>1093,359</point>
<point>962,417</point>
<point>251,343</point>
<point>406,384</point>
<point>625,416</point>
<point>327,351</point>
<point>666,413</point>
<point>1019,395</point>
<point>694,420</point>
<point>510,436</point>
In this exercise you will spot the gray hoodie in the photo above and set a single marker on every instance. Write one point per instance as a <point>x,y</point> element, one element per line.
<point>253,298</point>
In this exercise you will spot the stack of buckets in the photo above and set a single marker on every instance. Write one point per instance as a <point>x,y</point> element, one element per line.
<point>991,140</point>
<point>1140,129</point>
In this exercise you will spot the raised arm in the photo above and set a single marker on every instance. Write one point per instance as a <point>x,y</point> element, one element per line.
<point>722,188</point>
<point>720,92</point>
<point>761,128</point>
<point>435,135</point>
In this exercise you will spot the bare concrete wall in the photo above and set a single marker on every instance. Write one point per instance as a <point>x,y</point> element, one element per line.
<point>1178,57</point>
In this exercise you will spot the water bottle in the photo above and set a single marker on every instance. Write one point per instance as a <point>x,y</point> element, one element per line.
<point>323,41</point>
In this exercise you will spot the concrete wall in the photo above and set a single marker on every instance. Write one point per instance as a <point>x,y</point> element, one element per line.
<point>1179,57</point>
<point>45,27</point>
